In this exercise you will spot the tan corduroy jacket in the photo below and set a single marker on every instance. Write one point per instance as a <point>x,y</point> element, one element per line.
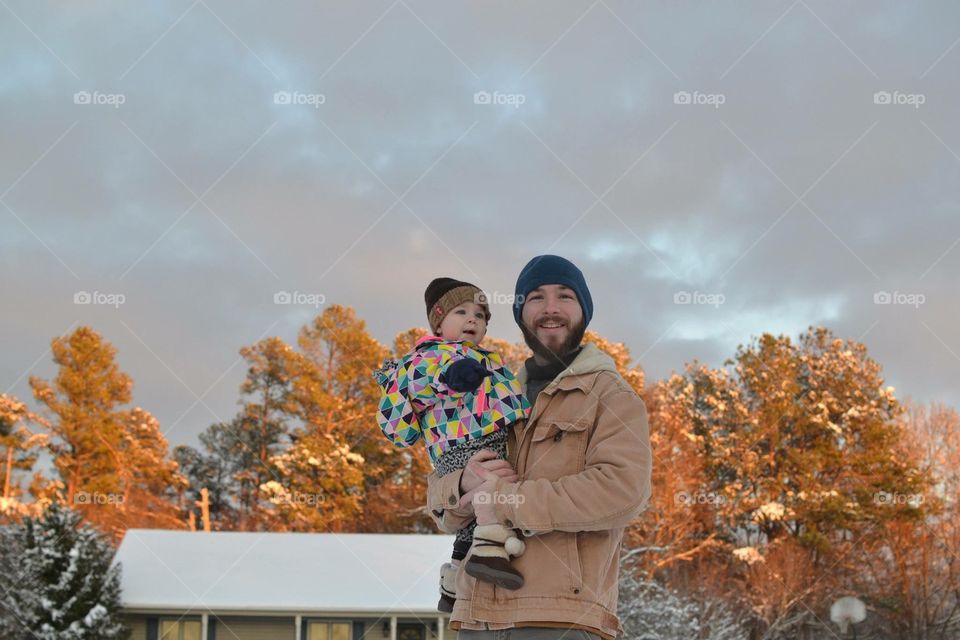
<point>584,463</point>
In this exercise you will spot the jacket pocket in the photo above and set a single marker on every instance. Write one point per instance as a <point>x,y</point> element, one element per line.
<point>557,449</point>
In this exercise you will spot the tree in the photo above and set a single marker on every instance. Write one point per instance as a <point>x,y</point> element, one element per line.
<point>85,398</point>
<point>320,485</point>
<point>19,446</point>
<point>340,403</point>
<point>149,480</point>
<point>621,357</point>
<point>112,461</point>
<point>799,439</point>
<point>909,571</point>
<point>774,476</point>
<point>649,610</point>
<point>262,430</point>
<point>57,580</point>
<point>210,470</point>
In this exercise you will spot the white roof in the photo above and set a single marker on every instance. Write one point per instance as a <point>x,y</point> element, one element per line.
<point>282,572</point>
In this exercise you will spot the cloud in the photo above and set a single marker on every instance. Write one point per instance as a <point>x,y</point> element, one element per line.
<point>201,195</point>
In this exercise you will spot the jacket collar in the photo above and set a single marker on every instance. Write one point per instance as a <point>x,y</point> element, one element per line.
<point>591,360</point>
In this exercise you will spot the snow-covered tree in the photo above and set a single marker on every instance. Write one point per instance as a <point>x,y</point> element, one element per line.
<point>19,447</point>
<point>799,440</point>
<point>320,486</point>
<point>57,580</point>
<point>649,610</point>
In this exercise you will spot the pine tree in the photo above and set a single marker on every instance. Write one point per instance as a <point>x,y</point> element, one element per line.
<point>210,469</point>
<point>85,398</point>
<point>112,461</point>
<point>340,403</point>
<point>58,581</point>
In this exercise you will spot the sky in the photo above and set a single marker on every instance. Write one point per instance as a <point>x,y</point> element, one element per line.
<point>717,170</point>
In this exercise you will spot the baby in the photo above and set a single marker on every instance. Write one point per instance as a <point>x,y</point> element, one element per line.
<point>460,399</point>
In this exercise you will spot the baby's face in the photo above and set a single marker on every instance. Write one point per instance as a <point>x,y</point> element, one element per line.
<point>464,322</point>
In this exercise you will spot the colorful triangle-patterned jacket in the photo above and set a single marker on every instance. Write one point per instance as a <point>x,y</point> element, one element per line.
<point>415,404</point>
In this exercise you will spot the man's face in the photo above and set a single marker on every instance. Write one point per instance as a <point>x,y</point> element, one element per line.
<point>553,320</point>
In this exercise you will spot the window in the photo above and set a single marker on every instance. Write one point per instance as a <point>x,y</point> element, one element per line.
<point>179,630</point>
<point>328,631</point>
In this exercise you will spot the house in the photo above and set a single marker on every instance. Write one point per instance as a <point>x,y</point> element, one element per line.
<point>183,585</point>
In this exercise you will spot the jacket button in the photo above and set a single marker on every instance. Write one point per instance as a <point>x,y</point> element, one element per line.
<point>508,524</point>
<point>557,437</point>
<point>452,500</point>
<point>576,590</point>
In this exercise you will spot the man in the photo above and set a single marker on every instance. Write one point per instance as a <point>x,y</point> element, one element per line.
<point>578,471</point>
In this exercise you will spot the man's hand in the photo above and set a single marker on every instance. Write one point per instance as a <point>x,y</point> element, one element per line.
<point>485,465</point>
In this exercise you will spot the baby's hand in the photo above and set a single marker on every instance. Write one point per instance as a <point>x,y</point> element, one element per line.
<point>465,375</point>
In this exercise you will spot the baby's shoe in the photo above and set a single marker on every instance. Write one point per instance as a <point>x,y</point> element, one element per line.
<point>489,558</point>
<point>448,588</point>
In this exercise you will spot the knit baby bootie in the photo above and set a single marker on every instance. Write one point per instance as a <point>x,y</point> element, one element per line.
<point>448,588</point>
<point>489,558</point>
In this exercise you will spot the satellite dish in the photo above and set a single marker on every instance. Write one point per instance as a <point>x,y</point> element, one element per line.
<point>846,610</point>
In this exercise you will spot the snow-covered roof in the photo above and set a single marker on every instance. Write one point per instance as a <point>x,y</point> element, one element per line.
<point>289,572</point>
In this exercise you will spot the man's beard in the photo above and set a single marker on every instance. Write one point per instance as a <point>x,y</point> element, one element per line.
<point>572,342</point>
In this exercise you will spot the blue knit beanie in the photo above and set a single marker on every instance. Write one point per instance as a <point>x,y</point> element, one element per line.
<point>549,269</point>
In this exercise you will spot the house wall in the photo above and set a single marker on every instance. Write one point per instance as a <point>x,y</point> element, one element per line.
<point>279,628</point>
<point>244,628</point>
<point>138,627</point>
